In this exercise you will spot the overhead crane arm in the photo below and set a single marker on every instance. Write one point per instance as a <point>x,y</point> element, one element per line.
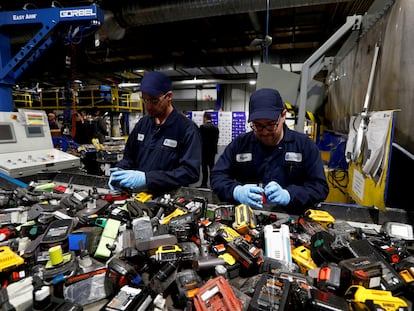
<point>316,62</point>
<point>12,66</point>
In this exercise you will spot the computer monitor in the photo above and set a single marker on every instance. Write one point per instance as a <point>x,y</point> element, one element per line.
<point>7,133</point>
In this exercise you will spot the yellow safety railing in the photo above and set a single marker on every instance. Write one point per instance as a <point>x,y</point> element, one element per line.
<point>58,99</point>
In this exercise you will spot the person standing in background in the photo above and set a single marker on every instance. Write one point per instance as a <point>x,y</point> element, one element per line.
<point>209,140</point>
<point>51,117</point>
<point>84,127</point>
<point>101,126</point>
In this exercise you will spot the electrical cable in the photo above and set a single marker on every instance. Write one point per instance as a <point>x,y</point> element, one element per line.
<point>338,179</point>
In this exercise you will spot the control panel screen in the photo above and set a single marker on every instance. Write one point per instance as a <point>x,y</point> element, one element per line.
<point>7,133</point>
<point>34,131</point>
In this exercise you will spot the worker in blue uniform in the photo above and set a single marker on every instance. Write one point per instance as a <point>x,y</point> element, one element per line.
<point>163,151</point>
<point>272,161</point>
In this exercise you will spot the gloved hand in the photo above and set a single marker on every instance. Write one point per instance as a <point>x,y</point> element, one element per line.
<point>113,185</point>
<point>128,178</point>
<point>276,194</point>
<point>249,194</point>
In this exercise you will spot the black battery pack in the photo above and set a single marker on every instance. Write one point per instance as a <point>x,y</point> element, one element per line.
<point>325,301</point>
<point>321,250</point>
<point>271,293</point>
<point>57,234</point>
<point>362,270</point>
<point>390,279</point>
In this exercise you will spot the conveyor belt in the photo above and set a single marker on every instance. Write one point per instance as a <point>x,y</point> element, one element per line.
<point>10,183</point>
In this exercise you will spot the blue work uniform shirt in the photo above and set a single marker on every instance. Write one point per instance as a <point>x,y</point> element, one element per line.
<point>295,163</point>
<point>169,154</point>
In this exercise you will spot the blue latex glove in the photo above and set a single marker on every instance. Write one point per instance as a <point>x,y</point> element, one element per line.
<point>111,183</point>
<point>249,194</point>
<point>276,194</point>
<point>128,178</point>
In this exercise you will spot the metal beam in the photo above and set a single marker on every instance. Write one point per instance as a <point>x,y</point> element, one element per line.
<point>315,63</point>
<point>12,66</point>
<point>135,13</point>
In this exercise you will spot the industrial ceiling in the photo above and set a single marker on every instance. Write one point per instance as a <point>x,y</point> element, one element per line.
<point>187,39</point>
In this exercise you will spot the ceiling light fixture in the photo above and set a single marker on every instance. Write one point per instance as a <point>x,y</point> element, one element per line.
<point>128,84</point>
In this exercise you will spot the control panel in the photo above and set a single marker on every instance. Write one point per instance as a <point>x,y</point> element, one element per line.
<point>26,146</point>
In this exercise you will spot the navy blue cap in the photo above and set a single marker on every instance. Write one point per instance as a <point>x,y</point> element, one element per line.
<point>265,104</point>
<point>155,83</point>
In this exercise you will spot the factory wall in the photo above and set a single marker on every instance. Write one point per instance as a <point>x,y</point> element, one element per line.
<point>393,87</point>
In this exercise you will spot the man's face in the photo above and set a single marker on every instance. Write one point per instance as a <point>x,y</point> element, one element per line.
<point>156,106</point>
<point>269,132</point>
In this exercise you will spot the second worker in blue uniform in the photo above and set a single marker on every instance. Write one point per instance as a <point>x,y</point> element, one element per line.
<point>272,160</point>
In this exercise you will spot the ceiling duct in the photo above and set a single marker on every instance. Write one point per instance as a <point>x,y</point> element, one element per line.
<point>139,13</point>
<point>110,29</point>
